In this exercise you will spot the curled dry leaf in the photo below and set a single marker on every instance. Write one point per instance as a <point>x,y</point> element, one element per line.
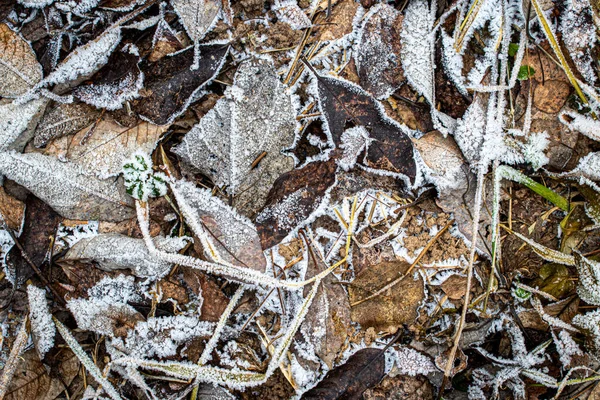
<point>378,55</point>
<point>293,199</point>
<point>171,85</point>
<point>342,103</point>
<point>63,120</point>
<point>254,119</point>
<point>364,369</point>
<point>100,149</point>
<point>19,67</point>
<point>67,188</point>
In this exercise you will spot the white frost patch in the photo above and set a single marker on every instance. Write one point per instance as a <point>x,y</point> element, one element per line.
<point>42,326</point>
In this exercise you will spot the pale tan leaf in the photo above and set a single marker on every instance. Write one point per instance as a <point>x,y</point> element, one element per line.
<point>102,148</point>
<point>19,68</point>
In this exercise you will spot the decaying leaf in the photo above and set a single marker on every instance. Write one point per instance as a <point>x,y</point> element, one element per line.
<point>326,324</point>
<point>119,81</point>
<point>102,148</point>
<point>378,56</point>
<point>19,68</point>
<point>293,199</point>
<point>255,119</point>
<point>32,380</point>
<point>66,188</point>
<point>170,84</point>
<point>11,210</point>
<point>224,233</point>
<point>63,120</point>
<point>115,251</point>
<point>18,122</point>
<point>289,12</point>
<point>344,103</point>
<point>364,369</point>
<point>396,306</point>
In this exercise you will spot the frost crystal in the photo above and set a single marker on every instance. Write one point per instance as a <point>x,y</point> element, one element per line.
<point>470,131</point>
<point>141,182</point>
<point>289,12</point>
<point>590,322</point>
<point>579,36</point>
<point>15,121</point>
<point>411,362</point>
<point>581,123</point>
<point>416,55</point>
<point>42,326</point>
<point>112,97</point>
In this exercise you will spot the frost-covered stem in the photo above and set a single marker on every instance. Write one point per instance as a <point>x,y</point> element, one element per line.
<point>210,346</point>
<point>86,361</point>
<point>230,271</point>
<point>496,248</point>
<point>463,316</point>
<point>13,360</point>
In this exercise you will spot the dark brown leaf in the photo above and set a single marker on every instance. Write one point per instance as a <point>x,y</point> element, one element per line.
<point>344,105</point>
<point>171,84</point>
<point>41,222</point>
<point>362,370</point>
<point>294,196</point>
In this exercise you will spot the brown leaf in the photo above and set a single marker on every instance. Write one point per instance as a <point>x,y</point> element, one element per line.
<point>41,222</point>
<point>102,148</point>
<point>19,68</point>
<point>377,59</point>
<point>165,42</point>
<point>294,196</point>
<point>328,318</point>
<point>340,22</point>
<point>455,287</point>
<point>364,369</point>
<point>396,306</point>
<point>63,120</point>
<point>171,84</point>
<point>215,301</point>
<point>11,210</point>
<point>32,381</point>
<point>343,103</point>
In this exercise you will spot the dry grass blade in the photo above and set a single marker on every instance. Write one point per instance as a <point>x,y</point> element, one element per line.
<point>546,253</point>
<point>13,360</point>
<point>556,47</point>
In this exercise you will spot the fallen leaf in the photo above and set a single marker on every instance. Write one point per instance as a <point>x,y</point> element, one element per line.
<point>254,119</point>
<point>11,210</point>
<point>231,236</point>
<point>41,223</point>
<point>197,17</point>
<point>397,306</point>
<point>117,82</point>
<point>378,54</point>
<point>66,188</point>
<point>63,120</point>
<point>326,324</point>
<point>554,279</point>
<point>202,285</point>
<point>340,22</point>
<point>102,148</point>
<point>165,42</point>
<point>364,369</point>
<point>344,103</point>
<point>32,381</point>
<point>113,251</point>
<point>18,122</point>
<point>294,197</point>
<point>19,68</point>
<point>455,287</point>
<point>171,85</point>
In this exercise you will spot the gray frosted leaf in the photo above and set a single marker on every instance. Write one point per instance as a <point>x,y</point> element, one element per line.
<point>198,16</point>
<point>63,120</point>
<point>233,236</point>
<point>115,251</point>
<point>66,188</point>
<point>17,123</point>
<point>378,55</point>
<point>255,118</point>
